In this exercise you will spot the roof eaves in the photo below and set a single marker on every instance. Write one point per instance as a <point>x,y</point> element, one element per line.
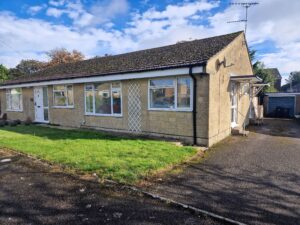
<point>203,63</point>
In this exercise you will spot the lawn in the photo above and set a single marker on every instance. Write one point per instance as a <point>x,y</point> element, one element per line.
<point>120,159</point>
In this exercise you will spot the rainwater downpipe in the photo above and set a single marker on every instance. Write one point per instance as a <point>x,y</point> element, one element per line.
<point>194,105</point>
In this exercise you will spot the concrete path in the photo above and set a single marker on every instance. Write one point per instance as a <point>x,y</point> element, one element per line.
<point>255,179</point>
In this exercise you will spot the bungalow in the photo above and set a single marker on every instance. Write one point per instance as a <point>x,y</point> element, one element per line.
<point>195,91</point>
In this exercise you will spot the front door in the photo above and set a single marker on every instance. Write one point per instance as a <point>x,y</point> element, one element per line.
<point>41,107</point>
<point>234,104</point>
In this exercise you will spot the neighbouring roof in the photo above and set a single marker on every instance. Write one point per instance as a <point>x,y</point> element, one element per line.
<point>173,56</point>
<point>291,88</point>
<point>274,72</point>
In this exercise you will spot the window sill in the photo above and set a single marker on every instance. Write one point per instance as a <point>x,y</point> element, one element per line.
<point>63,107</point>
<point>104,115</point>
<point>12,110</point>
<point>170,110</point>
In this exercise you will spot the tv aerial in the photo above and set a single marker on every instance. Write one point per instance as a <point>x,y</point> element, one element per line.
<point>246,5</point>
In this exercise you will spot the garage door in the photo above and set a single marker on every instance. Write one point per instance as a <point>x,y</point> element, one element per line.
<point>281,106</point>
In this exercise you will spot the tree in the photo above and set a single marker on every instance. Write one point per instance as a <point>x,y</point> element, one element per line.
<point>3,73</point>
<point>57,56</point>
<point>258,68</point>
<point>61,55</point>
<point>28,67</point>
<point>294,77</point>
<point>14,73</point>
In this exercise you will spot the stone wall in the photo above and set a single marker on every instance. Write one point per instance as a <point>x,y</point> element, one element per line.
<point>237,63</point>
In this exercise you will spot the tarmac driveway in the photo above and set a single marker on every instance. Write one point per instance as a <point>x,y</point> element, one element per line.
<point>33,193</point>
<point>255,179</point>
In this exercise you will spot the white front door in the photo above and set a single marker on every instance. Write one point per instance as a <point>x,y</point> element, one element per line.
<point>234,104</point>
<point>41,107</point>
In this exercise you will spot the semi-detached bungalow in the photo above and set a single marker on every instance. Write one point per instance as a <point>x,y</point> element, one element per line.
<point>195,91</point>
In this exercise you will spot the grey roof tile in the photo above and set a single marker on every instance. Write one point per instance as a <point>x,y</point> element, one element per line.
<point>172,56</point>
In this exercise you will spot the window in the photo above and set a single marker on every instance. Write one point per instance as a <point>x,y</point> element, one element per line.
<point>103,99</point>
<point>170,93</point>
<point>245,89</point>
<point>63,96</point>
<point>14,99</point>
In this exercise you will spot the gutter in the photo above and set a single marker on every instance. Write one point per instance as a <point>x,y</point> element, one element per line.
<point>82,76</point>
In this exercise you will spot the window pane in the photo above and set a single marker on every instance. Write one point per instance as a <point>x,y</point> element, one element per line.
<point>70,95</point>
<point>102,98</point>
<point>162,82</point>
<point>116,85</point>
<point>60,99</point>
<point>59,87</point>
<point>162,98</point>
<point>116,102</point>
<point>184,92</point>
<point>45,96</point>
<point>15,101</point>
<point>46,115</point>
<point>8,100</point>
<point>89,95</point>
<point>89,87</point>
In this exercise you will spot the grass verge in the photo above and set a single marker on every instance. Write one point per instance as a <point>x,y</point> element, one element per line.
<point>121,159</point>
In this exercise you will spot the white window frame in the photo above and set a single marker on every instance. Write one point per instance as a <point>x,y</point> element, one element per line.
<point>112,114</point>
<point>175,86</point>
<point>67,97</point>
<point>8,98</point>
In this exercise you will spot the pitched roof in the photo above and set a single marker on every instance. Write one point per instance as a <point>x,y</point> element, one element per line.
<point>274,72</point>
<point>288,88</point>
<point>172,56</point>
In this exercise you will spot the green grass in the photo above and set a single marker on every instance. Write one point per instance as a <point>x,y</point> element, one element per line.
<point>121,159</point>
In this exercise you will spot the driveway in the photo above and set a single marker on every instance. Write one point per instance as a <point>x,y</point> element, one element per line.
<point>255,179</point>
<point>32,193</point>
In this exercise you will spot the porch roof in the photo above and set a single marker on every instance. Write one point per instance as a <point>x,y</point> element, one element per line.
<point>245,78</point>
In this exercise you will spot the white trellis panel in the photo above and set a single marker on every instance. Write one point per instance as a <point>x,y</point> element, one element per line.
<point>134,107</point>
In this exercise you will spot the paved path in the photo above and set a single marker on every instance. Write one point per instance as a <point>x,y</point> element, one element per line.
<point>255,180</point>
<point>31,193</point>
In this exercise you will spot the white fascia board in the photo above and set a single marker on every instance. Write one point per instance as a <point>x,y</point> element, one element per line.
<point>115,77</point>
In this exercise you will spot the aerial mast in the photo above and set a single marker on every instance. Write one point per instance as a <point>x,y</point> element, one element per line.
<point>246,5</point>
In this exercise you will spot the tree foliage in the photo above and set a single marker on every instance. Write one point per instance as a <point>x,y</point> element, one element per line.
<point>3,73</point>
<point>258,69</point>
<point>28,67</point>
<point>61,55</point>
<point>294,77</point>
<point>56,56</point>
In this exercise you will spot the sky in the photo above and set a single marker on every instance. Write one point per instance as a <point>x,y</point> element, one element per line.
<point>30,28</point>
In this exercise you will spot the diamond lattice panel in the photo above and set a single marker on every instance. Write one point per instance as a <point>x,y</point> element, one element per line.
<point>134,107</point>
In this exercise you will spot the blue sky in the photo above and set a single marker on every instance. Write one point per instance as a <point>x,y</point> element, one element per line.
<point>29,28</point>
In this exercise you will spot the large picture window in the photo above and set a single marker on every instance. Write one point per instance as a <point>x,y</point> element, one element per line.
<point>103,99</point>
<point>14,99</point>
<point>63,96</point>
<point>170,93</point>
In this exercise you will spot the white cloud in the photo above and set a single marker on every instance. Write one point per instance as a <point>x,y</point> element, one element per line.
<point>272,21</point>
<point>54,12</point>
<point>57,2</point>
<point>98,13</point>
<point>31,38</point>
<point>36,9</point>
